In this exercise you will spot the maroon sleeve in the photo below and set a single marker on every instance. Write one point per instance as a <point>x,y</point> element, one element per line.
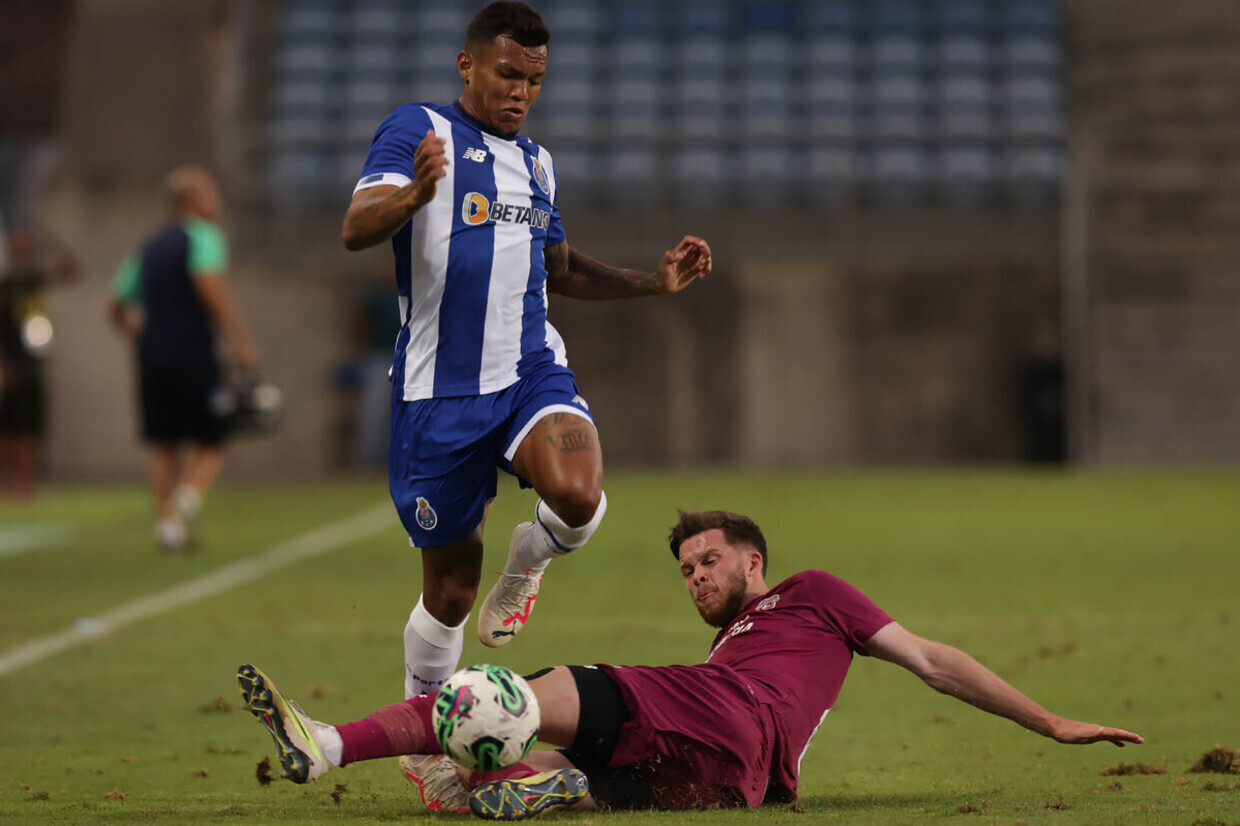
<point>852,614</point>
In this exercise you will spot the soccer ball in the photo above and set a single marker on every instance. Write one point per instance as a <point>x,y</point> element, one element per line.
<point>486,717</point>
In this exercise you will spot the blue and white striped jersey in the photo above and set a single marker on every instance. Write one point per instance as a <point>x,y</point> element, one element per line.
<point>469,265</point>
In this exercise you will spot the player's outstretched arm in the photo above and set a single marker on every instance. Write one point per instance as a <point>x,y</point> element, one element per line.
<point>952,671</point>
<point>377,213</point>
<point>577,275</point>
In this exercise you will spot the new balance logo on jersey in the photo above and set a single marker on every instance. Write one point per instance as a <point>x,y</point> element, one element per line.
<point>476,209</point>
<point>475,154</point>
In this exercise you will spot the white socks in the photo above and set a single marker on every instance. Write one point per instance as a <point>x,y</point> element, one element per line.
<point>432,651</point>
<point>330,742</point>
<point>550,537</point>
<point>188,502</point>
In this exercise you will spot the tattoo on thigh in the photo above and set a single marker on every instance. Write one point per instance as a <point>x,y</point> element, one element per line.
<point>572,440</point>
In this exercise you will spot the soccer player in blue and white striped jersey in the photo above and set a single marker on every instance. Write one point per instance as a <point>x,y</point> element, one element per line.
<point>480,377</point>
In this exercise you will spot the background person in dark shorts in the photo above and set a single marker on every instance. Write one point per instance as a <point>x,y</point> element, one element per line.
<point>728,732</point>
<point>170,298</point>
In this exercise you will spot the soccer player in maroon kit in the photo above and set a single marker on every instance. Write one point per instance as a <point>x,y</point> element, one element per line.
<point>727,732</point>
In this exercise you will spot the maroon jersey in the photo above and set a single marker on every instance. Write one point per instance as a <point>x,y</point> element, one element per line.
<point>795,645</point>
<point>732,731</point>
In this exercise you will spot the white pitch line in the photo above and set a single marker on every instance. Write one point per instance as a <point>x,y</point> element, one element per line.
<point>279,556</point>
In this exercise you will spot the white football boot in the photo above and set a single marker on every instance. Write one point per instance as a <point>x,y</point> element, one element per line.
<point>438,782</point>
<point>511,601</point>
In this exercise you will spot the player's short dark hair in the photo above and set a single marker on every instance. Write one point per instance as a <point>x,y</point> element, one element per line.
<point>737,529</point>
<point>505,17</point>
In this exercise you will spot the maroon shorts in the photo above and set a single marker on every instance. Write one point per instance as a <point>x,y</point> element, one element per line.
<point>698,735</point>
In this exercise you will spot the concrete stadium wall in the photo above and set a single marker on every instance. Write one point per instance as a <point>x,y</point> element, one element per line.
<point>1152,265</point>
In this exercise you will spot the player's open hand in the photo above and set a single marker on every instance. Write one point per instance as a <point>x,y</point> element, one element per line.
<point>689,260</point>
<point>430,163</point>
<point>1078,733</point>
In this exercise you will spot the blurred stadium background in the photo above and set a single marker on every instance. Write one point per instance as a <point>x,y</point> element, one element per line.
<point>945,230</point>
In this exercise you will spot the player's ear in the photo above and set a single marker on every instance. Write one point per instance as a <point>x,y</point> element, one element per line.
<point>465,65</point>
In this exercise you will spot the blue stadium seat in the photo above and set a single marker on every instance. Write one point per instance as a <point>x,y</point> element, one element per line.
<point>574,164</point>
<point>305,59</point>
<point>634,105</point>
<point>705,17</point>
<point>302,20</point>
<point>963,52</point>
<point>838,17</point>
<point>442,21</point>
<point>375,21</point>
<point>368,57</point>
<point>703,53</point>
<point>963,17</point>
<point>296,94</point>
<point>638,54</point>
<point>896,52</point>
<point>705,94</point>
<point>572,17</point>
<point>895,16</point>
<point>572,95</point>
<point>429,89</point>
<point>766,107</point>
<point>965,102</point>
<point>1032,53</point>
<point>571,57</point>
<point>1031,16</point>
<point>767,52</point>
<point>635,18</point>
<point>830,53</point>
<point>767,16</point>
<point>831,104</point>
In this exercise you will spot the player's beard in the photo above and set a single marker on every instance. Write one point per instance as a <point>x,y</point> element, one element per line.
<point>733,593</point>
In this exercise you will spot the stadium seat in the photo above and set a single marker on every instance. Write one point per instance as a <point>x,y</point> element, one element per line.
<point>895,53</point>
<point>963,17</point>
<point>963,52</point>
<point>638,18</point>
<point>1032,53</point>
<point>888,16</point>
<point>1031,16</point>
<point>836,17</point>
<point>830,53</point>
<point>767,16</point>
<point>637,54</point>
<point>571,18</point>
<point>705,17</point>
<point>767,52</point>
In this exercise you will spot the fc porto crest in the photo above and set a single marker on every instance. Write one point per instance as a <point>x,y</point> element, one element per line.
<point>540,177</point>
<point>426,516</point>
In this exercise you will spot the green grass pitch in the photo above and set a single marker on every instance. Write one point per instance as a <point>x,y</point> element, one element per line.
<point>1110,597</point>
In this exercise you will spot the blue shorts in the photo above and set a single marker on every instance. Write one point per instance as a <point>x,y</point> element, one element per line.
<point>444,452</point>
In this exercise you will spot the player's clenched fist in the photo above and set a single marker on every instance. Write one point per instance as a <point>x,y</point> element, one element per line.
<point>430,163</point>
